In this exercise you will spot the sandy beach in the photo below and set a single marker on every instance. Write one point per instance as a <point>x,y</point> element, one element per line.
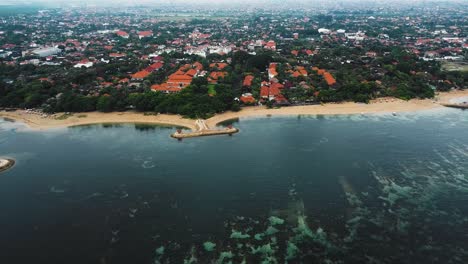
<point>59,120</point>
<point>382,105</point>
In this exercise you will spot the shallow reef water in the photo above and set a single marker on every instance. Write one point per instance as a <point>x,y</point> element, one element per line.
<point>345,189</point>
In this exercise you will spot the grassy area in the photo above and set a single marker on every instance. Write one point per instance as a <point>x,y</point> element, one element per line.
<point>63,117</point>
<point>211,89</point>
<point>455,66</point>
<point>82,116</point>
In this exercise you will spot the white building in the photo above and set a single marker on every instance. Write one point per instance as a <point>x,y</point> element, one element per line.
<point>84,63</point>
<point>355,36</point>
<point>48,51</point>
<point>324,31</point>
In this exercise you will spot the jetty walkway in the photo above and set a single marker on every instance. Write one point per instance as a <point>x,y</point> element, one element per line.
<point>459,106</point>
<point>202,130</point>
<point>5,164</point>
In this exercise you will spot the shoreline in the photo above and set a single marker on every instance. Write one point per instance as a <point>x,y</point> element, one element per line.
<point>381,105</point>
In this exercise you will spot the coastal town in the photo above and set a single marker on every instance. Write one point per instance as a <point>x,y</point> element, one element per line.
<point>233,131</point>
<point>179,60</point>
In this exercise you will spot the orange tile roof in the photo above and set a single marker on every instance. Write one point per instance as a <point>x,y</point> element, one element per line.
<point>266,91</point>
<point>219,65</point>
<point>198,66</point>
<point>122,33</point>
<point>321,72</point>
<point>165,88</point>
<point>270,44</point>
<point>145,33</point>
<point>272,69</point>
<point>217,75</point>
<point>247,99</point>
<point>180,79</point>
<point>116,55</point>
<point>329,78</point>
<point>277,85</point>
<point>140,75</point>
<point>191,72</point>
<point>248,80</point>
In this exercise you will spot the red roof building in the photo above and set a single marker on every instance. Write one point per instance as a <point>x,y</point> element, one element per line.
<point>140,75</point>
<point>247,99</point>
<point>122,34</point>
<point>271,45</point>
<point>214,76</point>
<point>272,73</point>
<point>145,34</point>
<point>165,88</point>
<point>117,55</point>
<point>267,92</point>
<point>178,80</point>
<point>329,78</point>
<point>248,81</point>
<point>218,65</point>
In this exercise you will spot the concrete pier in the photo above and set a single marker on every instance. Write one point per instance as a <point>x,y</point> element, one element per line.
<point>459,106</point>
<point>204,130</point>
<point>5,164</point>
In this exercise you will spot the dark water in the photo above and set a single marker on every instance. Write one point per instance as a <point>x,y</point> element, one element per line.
<point>346,189</point>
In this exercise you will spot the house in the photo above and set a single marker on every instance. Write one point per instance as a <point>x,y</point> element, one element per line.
<point>300,71</point>
<point>191,72</point>
<point>371,54</point>
<point>157,65</point>
<point>45,79</point>
<point>326,75</point>
<point>324,31</point>
<point>272,73</point>
<point>270,45</point>
<point>156,58</point>
<point>47,51</point>
<point>106,84</point>
<point>270,91</point>
<point>84,63</point>
<point>179,80</point>
<point>329,79</point>
<point>218,65</point>
<point>139,76</point>
<point>124,80</point>
<point>165,88</point>
<point>214,76</point>
<point>154,67</point>
<point>247,98</point>
<point>248,81</point>
<point>122,34</point>
<point>145,34</point>
<point>117,55</point>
